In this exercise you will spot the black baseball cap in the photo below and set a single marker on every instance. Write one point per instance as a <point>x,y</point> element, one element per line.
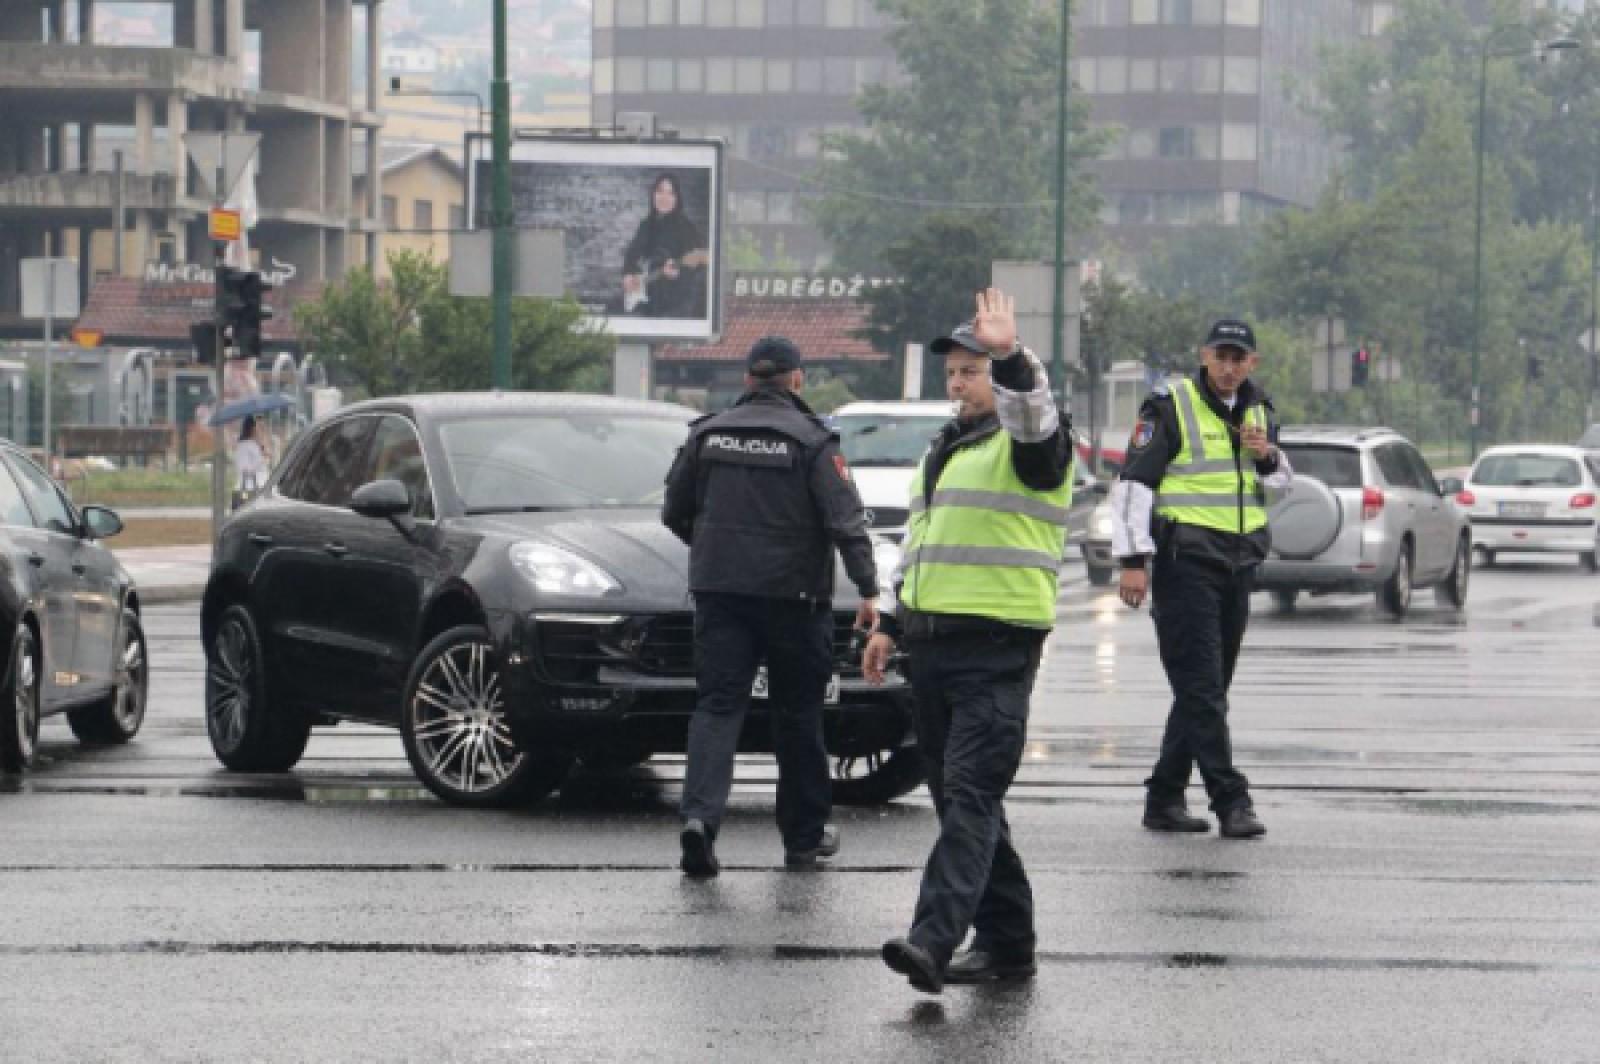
<point>1231,332</point>
<point>961,336</point>
<point>772,355</point>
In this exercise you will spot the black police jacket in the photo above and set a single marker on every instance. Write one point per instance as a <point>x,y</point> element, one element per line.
<point>1156,441</point>
<point>762,495</point>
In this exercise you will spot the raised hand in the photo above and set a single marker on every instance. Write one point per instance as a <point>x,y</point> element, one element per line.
<point>995,325</point>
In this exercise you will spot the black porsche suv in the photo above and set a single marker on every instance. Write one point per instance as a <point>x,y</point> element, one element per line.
<point>488,573</point>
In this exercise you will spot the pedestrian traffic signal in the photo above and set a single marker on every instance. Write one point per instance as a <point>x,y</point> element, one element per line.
<point>1360,367</point>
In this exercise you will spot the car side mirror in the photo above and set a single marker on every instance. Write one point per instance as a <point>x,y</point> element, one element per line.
<point>1451,486</point>
<point>381,498</point>
<point>100,522</point>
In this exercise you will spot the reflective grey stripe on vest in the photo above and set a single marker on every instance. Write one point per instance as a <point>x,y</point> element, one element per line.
<point>1000,501</point>
<point>1227,500</point>
<point>1198,462</point>
<point>999,557</point>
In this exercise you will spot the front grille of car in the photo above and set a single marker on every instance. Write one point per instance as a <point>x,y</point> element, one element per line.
<point>570,651</point>
<point>888,516</point>
<point>664,644</point>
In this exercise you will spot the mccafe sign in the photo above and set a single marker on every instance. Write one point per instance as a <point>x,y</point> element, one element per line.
<point>190,273</point>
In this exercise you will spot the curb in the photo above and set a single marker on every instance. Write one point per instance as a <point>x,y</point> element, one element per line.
<point>163,595</point>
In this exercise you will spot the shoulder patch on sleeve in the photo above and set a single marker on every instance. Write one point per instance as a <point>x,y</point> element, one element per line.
<point>841,467</point>
<point>1143,432</point>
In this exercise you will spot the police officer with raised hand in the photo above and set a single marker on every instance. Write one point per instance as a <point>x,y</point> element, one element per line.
<point>1189,521</point>
<point>976,589</point>
<point>763,497</point>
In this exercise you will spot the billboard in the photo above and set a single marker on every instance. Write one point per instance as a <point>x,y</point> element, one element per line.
<point>642,222</point>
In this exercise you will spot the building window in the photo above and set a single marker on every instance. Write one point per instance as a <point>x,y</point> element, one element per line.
<point>1207,12</point>
<point>630,74</point>
<point>1112,75</point>
<point>1176,142</point>
<point>691,75</point>
<point>841,14</point>
<point>748,76</point>
<point>1239,142</point>
<point>869,72</point>
<point>1141,75</point>
<point>808,75</point>
<point>691,12</point>
<point>1136,208</point>
<point>391,213</point>
<point>1241,74</point>
<point>1243,12</point>
<point>780,12</point>
<point>1141,144</point>
<point>719,13</point>
<point>806,145</point>
<point>780,206</point>
<point>719,76</point>
<point>658,75</point>
<point>458,216</point>
<point>605,14</point>
<point>604,85</point>
<point>660,12</point>
<point>769,143</point>
<point>422,215</point>
<point>1175,75</point>
<point>1144,12</point>
<point>751,14</point>
<point>808,13</point>
<point>780,75</point>
<point>1175,12</point>
<point>748,206</point>
<point>1208,142</point>
<point>838,77</point>
<point>1206,71</point>
<point>630,13</point>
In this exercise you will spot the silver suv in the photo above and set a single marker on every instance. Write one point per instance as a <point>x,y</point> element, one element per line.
<point>1364,513</point>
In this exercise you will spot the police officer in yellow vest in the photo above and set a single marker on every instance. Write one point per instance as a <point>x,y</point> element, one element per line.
<point>1189,517</point>
<point>976,591</point>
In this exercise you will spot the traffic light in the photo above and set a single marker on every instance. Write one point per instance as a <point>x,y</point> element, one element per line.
<point>247,327</point>
<point>203,334</point>
<point>1360,367</point>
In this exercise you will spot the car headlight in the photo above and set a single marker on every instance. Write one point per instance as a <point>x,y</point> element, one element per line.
<point>560,572</point>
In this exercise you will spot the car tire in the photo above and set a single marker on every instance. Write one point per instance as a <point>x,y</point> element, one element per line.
<point>1395,594</point>
<point>884,777</point>
<point>248,733</point>
<point>118,717</point>
<point>1286,598</point>
<point>1453,592</point>
<point>456,732</point>
<point>19,704</point>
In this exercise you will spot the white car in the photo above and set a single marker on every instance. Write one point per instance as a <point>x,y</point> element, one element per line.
<point>884,441</point>
<point>1533,497</point>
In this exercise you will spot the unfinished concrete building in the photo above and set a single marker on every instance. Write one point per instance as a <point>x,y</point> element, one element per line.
<point>92,118</point>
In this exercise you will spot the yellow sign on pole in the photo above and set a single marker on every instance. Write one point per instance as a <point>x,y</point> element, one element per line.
<point>88,337</point>
<point>225,224</point>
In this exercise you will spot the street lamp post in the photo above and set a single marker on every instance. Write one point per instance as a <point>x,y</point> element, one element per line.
<point>1058,311</point>
<point>1560,44</point>
<point>504,260</point>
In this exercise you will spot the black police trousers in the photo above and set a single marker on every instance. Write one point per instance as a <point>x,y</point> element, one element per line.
<point>1201,609</point>
<point>972,693</point>
<point>733,636</point>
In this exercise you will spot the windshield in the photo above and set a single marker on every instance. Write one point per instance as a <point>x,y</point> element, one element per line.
<point>560,461</point>
<point>887,439</point>
<point>1337,467</point>
<point>1527,471</point>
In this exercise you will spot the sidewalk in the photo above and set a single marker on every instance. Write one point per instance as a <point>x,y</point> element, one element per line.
<point>168,574</point>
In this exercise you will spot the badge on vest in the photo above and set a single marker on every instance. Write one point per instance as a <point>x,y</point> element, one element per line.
<point>747,450</point>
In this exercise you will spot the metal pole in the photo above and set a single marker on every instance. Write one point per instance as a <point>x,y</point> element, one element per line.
<point>219,456</point>
<point>49,353</point>
<point>1477,256</point>
<point>504,261</point>
<point>1594,298</point>
<point>1058,296</point>
<point>118,213</point>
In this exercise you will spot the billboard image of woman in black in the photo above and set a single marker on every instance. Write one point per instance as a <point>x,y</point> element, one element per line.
<point>664,268</point>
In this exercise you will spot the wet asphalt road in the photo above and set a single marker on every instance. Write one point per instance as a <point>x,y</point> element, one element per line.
<point>1429,888</point>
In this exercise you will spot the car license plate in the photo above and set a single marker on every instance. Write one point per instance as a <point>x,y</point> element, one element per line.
<point>760,689</point>
<point>1522,509</point>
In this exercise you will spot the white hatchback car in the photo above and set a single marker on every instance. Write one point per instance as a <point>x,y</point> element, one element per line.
<point>1533,497</point>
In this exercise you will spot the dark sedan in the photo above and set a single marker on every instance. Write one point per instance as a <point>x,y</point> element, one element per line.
<point>69,618</point>
<point>489,574</point>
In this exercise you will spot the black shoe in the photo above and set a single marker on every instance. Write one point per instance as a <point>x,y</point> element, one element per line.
<point>981,966</point>
<point>699,856</point>
<point>915,963</point>
<point>827,846</point>
<point>1174,817</point>
<point>1240,823</point>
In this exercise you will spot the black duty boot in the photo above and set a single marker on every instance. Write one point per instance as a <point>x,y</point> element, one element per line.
<point>915,963</point>
<point>827,846</point>
<point>699,855</point>
<point>981,966</point>
<point>1240,823</point>
<point>1173,817</point>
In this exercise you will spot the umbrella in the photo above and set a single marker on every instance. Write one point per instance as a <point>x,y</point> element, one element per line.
<point>256,404</point>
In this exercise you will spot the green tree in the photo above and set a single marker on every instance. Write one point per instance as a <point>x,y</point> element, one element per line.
<point>366,331</point>
<point>972,121</point>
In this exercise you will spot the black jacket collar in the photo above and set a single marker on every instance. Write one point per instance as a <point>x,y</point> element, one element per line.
<point>1247,396</point>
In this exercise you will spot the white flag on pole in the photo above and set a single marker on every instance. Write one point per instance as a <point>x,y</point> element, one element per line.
<point>243,200</point>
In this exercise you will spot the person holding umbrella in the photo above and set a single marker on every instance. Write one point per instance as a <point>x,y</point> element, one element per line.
<point>250,462</point>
